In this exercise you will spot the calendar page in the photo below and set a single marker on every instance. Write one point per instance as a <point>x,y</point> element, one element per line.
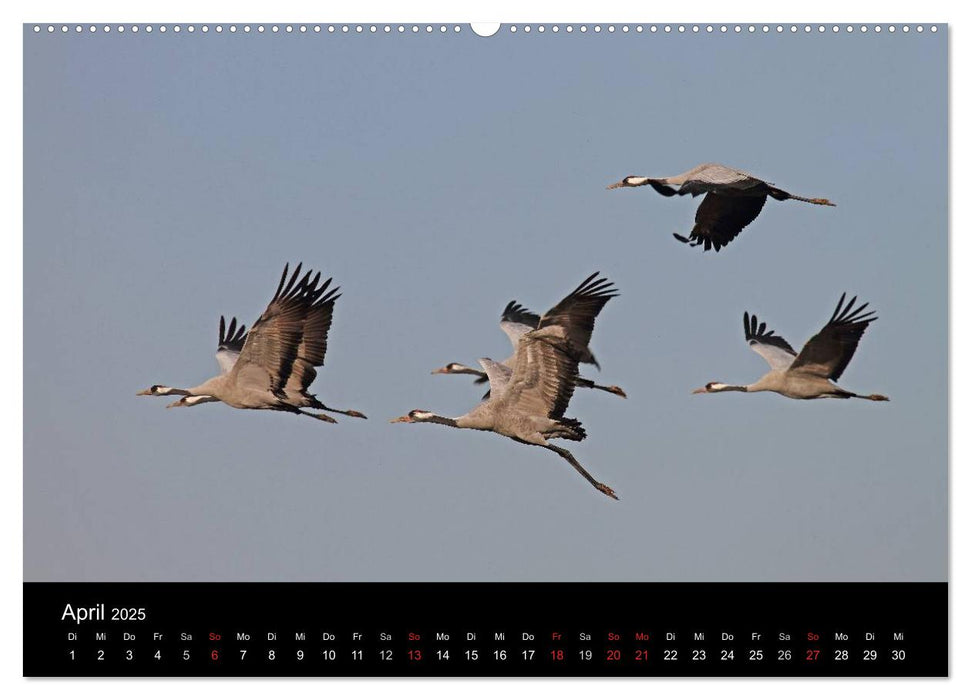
<point>422,349</point>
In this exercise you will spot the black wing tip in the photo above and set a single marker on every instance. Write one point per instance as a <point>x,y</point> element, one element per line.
<point>308,290</point>
<point>230,335</point>
<point>839,307</point>
<point>759,333</point>
<point>284,290</point>
<point>514,307</point>
<point>750,322</point>
<point>517,313</point>
<point>847,315</point>
<point>327,299</point>
<point>595,286</point>
<point>695,241</point>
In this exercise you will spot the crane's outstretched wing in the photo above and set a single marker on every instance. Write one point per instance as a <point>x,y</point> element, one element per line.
<point>498,377</point>
<point>544,376</point>
<point>313,344</point>
<point>230,343</point>
<point>577,312</point>
<point>516,320</point>
<point>273,343</point>
<point>713,177</point>
<point>829,352</point>
<point>721,217</point>
<point>774,349</point>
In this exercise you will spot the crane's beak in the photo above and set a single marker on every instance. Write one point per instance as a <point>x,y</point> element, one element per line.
<point>616,185</point>
<point>174,404</point>
<point>702,390</point>
<point>144,392</point>
<point>402,419</point>
<point>441,370</point>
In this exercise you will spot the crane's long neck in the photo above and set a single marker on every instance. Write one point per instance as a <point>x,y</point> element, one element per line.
<point>171,391</point>
<point>662,185</point>
<point>194,400</point>
<point>473,420</point>
<point>418,416</point>
<point>718,386</point>
<point>456,368</point>
<point>441,420</point>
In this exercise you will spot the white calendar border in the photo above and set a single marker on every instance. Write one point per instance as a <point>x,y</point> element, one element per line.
<point>604,11</point>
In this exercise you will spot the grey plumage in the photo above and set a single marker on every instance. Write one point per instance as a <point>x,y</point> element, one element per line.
<point>776,351</point>
<point>813,372</point>
<point>733,200</point>
<point>576,313</point>
<point>528,402</point>
<point>230,343</point>
<point>272,366</point>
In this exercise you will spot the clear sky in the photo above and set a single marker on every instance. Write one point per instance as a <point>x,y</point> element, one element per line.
<point>168,178</point>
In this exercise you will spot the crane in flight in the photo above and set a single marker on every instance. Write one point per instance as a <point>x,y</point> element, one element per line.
<point>272,366</point>
<point>576,312</point>
<point>733,199</point>
<point>813,372</point>
<point>527,402</point>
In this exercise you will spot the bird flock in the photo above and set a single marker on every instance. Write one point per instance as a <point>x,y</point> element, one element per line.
<point>272,366</point>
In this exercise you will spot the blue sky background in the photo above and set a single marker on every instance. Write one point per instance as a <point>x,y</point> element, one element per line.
<point>168,178</point>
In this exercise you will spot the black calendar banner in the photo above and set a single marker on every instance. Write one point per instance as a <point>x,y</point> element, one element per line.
<point>485,629</point>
